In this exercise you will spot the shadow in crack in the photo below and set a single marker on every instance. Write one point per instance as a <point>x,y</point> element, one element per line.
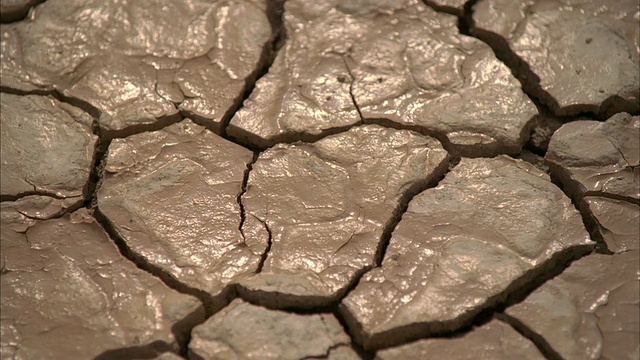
<point>148,351</point>
<point>211,304</point>
<point>531,83</point>
<point>275,13</point>
<point>516,292</point>
<point>536,338</point>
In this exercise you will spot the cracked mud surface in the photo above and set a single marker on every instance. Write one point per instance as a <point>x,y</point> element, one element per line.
<point>320,180</point>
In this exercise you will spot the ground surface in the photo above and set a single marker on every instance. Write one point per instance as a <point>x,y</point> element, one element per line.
<point>320,179</point>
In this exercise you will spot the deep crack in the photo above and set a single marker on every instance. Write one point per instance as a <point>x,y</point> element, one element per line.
<point>275,13</point>
<point>538,340</point>
<point>353,97</point>
<point>208,301</point>
<point>243,190</point>
<point>265,254</point>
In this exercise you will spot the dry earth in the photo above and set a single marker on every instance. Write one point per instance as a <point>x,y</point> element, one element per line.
<point>338,179</point>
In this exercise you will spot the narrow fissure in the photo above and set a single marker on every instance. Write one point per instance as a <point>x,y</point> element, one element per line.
<point>208,301</point>
<point>387,232</point>
<point>539,341</point>
<point>243,190</point>
<point>265,254</point>
<point>353,97</point>
<point>516,292</point>
<point>362,352</point>
<point>441,171</point>
<point>613,196</point>
<point>521,70</point>
<point>243,214</point>
<point>561,179</point>
<point>21,195</point>
<point>56,94</point>
<point>275,14</point>
<point>452,149</point>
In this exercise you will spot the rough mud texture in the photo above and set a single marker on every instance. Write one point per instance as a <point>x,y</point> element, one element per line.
<point>483,343</point>
<point>544,128</point>
<point>141,61</point>
<point>246,331</point>
<point>579,55</point>
<point>47,147</point>
<point>590,311</point>
<point>616,221</point>
<point>380,56</point>
<point>325,207</point>
<point>598,158</point>
<point>489,225</point>
<point>67,293</point>
<point>172,197</point>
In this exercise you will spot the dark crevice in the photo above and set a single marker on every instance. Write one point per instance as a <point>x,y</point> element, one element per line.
<point>79,103</point>
<point>181,329</point>
<point>149,351</point>
<point>517,291</point>
<point>438,174</point>
<point>547,105</point>
<point>210,303</point>
<point>296,303</point>
<point>58,214</point>
<point>17,13</point>
<point>99,162</point>
<point>243,190</point>
<point>267,249</point>
<point>362,352</point>
<point>351,94</point>
<point>103,133</point>
<point>573,189</point>
<point>455,151</point>
<point>458,151</point>
<point>243,214</point>
<point>275,13</point>
<point>465,20</point>
<point>539,341</point>
<point>451,10</point>
<point>249,141</point>
<point>155,125</point>
<point>613,196</point>
<point>429,182</point>
<point>593,228</point>
<point>8,197</point>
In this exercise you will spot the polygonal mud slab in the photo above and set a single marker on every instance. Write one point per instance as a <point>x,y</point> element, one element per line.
<point>579,55</point>
<point>598,158</point>
<point>246,331</point>
<point>326,206</point>
<point>617,222</point>
<point>399,61</point>
<point>172,197</point>
<point>488,228</point>
<point>47,147</point>
<point>67,293</point>
<point>137,62</point>
<point>494,340</point>
<point>590,311</point>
